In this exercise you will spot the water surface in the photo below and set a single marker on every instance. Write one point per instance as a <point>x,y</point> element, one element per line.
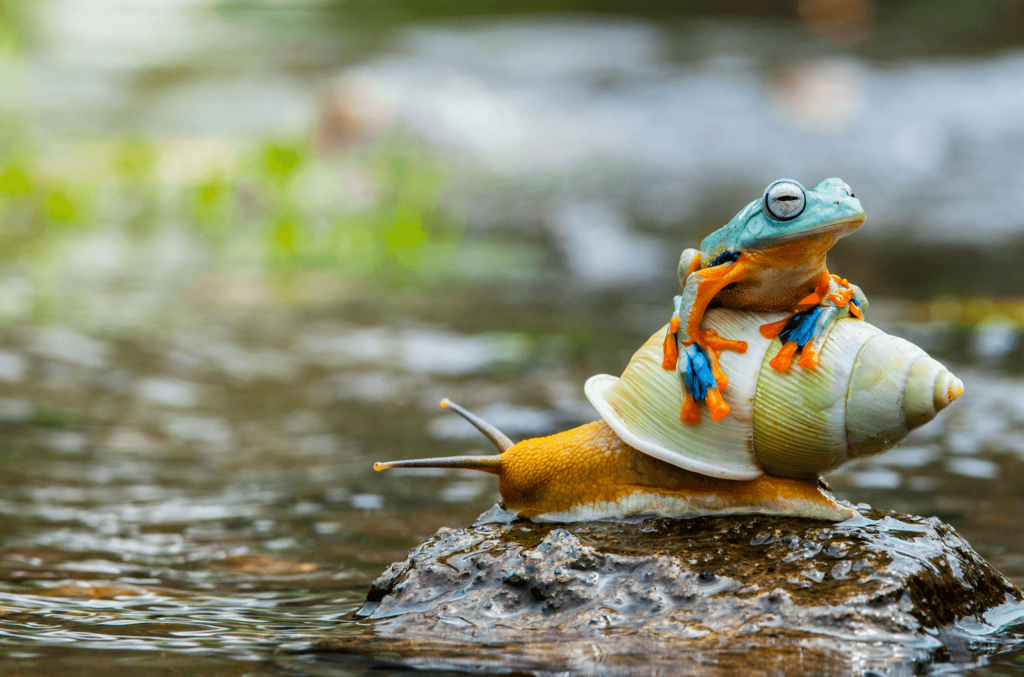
<point>246,253</point>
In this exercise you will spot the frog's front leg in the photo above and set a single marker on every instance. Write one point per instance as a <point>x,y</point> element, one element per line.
<point>689,262</point>
<point>694,352</point>
<point>809,327</point>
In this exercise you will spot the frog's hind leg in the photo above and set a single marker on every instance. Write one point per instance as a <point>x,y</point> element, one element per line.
<point>807,330</point>
<point>822,327</point>
<point>697,376</point>
<point>848,302</point>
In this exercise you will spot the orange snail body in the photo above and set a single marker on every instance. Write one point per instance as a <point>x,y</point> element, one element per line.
<point>589,473</point>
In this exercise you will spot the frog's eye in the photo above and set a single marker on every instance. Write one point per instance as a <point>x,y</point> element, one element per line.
<point>784,200</point>
<point>849,191</point>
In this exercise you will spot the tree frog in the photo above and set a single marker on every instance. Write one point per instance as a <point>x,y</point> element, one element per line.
<point>770,257</point>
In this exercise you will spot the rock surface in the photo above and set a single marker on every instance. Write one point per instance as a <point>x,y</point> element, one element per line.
<point>767,594</point>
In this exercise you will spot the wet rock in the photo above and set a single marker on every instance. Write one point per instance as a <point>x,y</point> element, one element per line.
<point>884,590</point>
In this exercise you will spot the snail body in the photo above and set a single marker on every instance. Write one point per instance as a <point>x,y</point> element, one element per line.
<point>588,473</point>
<point>786,430</point>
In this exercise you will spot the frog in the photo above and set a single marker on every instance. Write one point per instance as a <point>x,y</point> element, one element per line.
<point>769,257</point>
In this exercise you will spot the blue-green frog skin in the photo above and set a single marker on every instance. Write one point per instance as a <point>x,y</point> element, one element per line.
<point>769,257</point>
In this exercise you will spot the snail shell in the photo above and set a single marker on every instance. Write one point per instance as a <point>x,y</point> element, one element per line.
<point>867,393</point>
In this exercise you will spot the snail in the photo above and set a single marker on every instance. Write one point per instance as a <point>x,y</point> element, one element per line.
<point>786,429</point>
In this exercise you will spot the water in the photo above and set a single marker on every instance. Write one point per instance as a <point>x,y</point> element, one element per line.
<point>229,287</point>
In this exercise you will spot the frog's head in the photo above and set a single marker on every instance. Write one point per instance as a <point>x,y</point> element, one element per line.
<point>787,211</point>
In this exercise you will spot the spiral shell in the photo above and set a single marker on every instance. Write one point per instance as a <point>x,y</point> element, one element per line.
<point>867,393</point>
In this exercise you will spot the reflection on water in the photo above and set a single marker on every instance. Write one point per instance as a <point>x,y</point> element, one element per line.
<point>240,265</point>
<point>155,498</point>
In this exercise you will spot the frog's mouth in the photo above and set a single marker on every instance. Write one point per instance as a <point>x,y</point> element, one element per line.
<point>839,228</point>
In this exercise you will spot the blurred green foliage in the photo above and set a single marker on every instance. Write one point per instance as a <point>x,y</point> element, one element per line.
<point>36,207</point>
<point>14,19</point>
<point>273,197</point>
<point>276,206</point>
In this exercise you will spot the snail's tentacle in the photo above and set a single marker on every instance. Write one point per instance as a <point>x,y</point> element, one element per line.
<point>491,464</point>
<point>498,438</point>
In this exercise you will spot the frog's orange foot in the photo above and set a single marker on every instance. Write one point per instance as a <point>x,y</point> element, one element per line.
<point>670,351</point>
<point>711,340</point>
<point>689,415</point>
<point>773,329</point>
<point>718,407</point>
<point>841,298</point>
<point>855,309</point>
<point>670,348</point>
<point>784,358</point>
<point>702,381</point>
<point>713,345</point>
<point>806,331</point>
<point>808,357</point>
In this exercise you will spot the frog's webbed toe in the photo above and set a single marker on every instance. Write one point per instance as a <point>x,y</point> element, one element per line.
<point>697,374</point>
<point>808,329</point>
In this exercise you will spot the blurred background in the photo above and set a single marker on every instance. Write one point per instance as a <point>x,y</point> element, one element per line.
<point>247,245</point>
